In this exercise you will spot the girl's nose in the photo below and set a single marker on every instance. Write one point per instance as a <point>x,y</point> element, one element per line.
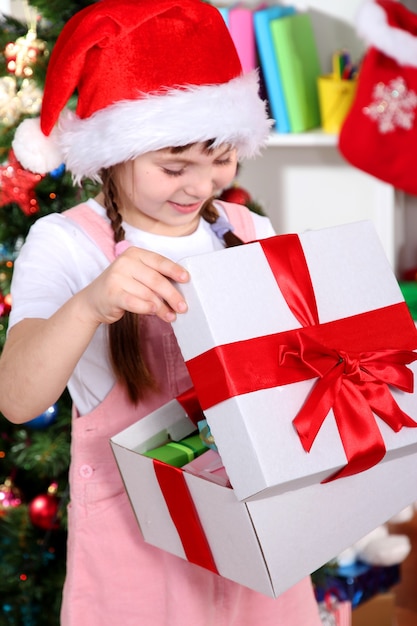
<point>201,186</point>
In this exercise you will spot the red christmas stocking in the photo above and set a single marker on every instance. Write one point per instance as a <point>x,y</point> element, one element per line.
<point>379,134</point>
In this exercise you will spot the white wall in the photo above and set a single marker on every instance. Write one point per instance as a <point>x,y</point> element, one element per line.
<point>5,7</point>
<point>17,8</point>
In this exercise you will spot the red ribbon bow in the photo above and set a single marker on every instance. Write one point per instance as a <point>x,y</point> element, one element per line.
<point>355,386</point>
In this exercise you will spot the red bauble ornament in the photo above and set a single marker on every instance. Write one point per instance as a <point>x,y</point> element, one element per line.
<point>5,304</point>
<point>43,511</point>
<point>236,194</point>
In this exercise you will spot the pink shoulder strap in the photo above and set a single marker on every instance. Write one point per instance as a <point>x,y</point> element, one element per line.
<point>97,228</point>
<point>241,219</point>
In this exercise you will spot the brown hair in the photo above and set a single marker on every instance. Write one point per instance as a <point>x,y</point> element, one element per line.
<point>124,336</point>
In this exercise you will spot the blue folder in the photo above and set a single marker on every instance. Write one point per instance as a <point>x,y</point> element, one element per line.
<point>269,65</point>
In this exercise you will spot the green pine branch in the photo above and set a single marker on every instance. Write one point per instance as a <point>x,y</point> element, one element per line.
<point>32,571</point>
<point>32,560</point>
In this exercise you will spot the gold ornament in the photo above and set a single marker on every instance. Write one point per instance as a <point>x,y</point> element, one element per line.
<point>23,53</point>
<point>10,496</point>
<point>30,97</point>
<point>16,102</point>
<point>9,106</point>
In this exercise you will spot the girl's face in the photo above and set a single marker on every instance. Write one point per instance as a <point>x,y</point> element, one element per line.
<point>162,192</point>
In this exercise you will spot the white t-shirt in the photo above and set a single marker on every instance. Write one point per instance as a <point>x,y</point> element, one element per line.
<point>58,259</point>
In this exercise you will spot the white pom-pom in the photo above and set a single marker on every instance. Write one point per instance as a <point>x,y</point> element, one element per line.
<point>34,150</point>
<point>386,551</point>
<point>395,41</point>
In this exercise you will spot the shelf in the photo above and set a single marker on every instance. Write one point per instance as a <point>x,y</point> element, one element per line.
<point>311,138</point>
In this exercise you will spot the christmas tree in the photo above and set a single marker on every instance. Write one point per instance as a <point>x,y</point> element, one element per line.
<point>34,457</point>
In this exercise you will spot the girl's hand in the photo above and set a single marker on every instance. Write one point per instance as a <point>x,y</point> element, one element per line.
<point>138,281</point>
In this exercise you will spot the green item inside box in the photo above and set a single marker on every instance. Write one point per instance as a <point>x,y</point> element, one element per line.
<point>409,291</point>
<point>178,453</point>
<point>195,443</point>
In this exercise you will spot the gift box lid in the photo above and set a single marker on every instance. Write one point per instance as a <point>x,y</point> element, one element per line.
<point>273,323</point>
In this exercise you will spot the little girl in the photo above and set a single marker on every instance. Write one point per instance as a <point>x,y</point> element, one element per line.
<point>163,116</point>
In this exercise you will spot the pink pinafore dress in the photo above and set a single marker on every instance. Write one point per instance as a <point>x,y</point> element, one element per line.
<point>113,577</point>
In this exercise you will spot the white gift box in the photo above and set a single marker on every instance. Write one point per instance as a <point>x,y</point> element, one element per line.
<point>267,544</point>
<point>234,297</point>
<point>279,523</point>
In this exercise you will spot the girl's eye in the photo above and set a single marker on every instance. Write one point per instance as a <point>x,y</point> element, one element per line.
<point>173,172</point>
<point>226,161</point>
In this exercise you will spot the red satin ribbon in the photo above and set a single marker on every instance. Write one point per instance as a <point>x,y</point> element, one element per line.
<point>184,515</point>
<point>191,405</point>
<point>348,356</point>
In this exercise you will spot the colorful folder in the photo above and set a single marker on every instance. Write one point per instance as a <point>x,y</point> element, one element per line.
<point>299,67</point>
<point>269,66</point>
<point>241,27</point>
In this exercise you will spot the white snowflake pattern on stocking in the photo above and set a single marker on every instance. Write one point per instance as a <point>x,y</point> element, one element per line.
<point>393,105</point>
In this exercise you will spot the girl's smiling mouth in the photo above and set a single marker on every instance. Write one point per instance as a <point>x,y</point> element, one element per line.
<point>185,208</point>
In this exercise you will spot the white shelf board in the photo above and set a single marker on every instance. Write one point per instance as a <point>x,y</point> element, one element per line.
<point>311,138</point>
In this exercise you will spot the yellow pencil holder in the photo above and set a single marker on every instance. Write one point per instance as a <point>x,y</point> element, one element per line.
<point>335,99</point>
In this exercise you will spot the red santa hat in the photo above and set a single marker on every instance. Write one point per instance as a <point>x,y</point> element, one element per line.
<point>149,74</point>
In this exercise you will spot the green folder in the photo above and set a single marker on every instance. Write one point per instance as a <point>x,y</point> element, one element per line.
<point>299,66</point>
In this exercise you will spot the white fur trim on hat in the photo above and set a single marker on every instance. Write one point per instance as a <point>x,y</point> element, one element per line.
<point>231,112</point>
<point>373,27</point>
<point>36,152</point>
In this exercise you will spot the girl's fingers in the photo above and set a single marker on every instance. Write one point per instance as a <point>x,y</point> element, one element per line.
<point>159,263</point>
<point>141,282</point>
<point>155,273</point>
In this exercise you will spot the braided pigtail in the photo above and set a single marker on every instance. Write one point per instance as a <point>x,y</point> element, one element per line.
<point>124,337</point>
<point>211,215</point>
